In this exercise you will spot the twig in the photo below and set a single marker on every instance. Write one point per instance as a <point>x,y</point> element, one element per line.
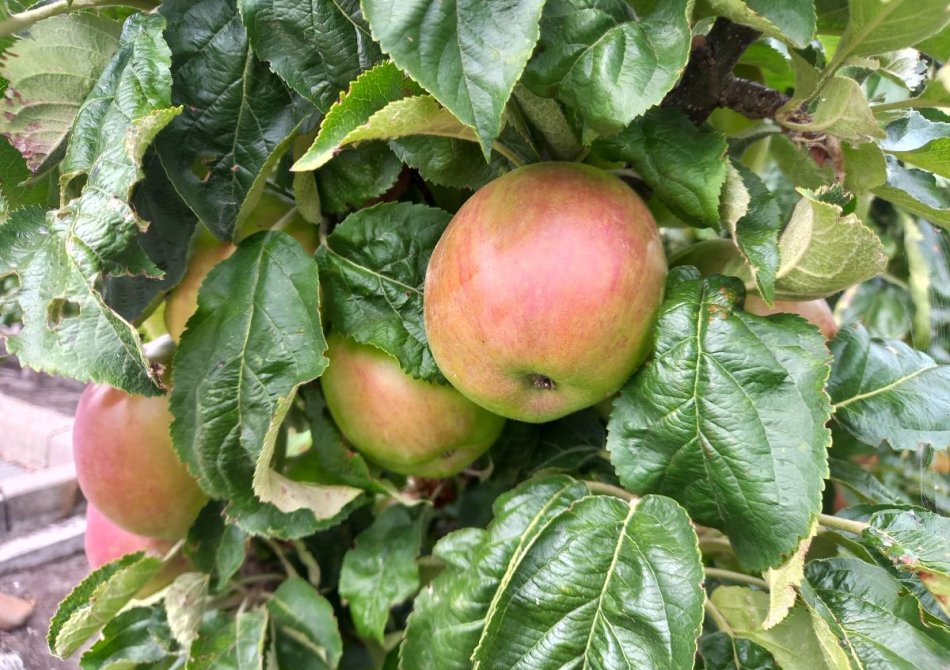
<point>610,490</point>
<point>751,99</point>
<point>21,21</point>
<point>729,575</point>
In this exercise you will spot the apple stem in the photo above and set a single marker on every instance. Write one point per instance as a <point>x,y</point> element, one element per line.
<point>604,488</point>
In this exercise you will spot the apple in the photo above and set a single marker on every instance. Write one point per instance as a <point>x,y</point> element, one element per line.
<point>271,213</point>
<point>541,295</point>
<point>126,465</point>
<point>406,425</point>
<point>105,542</point>
<point>721,256</point>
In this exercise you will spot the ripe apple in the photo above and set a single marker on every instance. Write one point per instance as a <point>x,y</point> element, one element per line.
<point>105,542</point>
<point>541,295</point>
<point>403,424</point>
<point>721,256</point>
<point>127,467</point>
<point>271,213</point>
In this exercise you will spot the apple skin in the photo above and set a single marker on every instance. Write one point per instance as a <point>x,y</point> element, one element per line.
<point>127,467</point>
<point>105,542</point>
<point>406,425</point>
<point>719,256</point>
<point>541,295</point>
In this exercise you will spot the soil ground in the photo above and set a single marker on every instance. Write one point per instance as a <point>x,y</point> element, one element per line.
<point>47,585</point>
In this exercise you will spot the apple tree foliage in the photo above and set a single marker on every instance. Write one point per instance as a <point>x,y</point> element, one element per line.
<point>757,498</point>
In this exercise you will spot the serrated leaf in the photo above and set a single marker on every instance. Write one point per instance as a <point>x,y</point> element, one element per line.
<point>185,601</point>
<point>722,652</point>
<point>634,600</point>
<point>317,47</point>
<point>49,72</point>
<point>214,546</point>
<point>756,230</point>
<point>381,571</point>
<point>253,340</point>
<point>608,62</point>
<point>784,580</point>
<point>917,192</point>
<point>355,176</point>
<point>97,599</point>
<point>843,111</point>
<point>448,616</point>
<point>170,228</point>
<point>547,116</point>
<point>798,165</point>
<point>136,636</point>
<point>885,391</point>
<point>59,258</point>
<point>239,117</point>
<point>683,164</point>
<point>448,161</point>
<point>876,621</point>
<point>921,142</point>
<point>801,642</point>
<point>918,542</point>
<point>373,270</point>
<point>13,174</point>
<point>231,642</point>
<point>305,624</point>
<point>757,475</point>
<point>823,251</point>
<point>370,93</point>
<point>468,54</point>
<point>792,22</point>
<point>876,26</point>
<point>863,483</point>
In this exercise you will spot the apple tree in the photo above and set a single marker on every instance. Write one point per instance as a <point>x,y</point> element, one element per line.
<point>197,196</point>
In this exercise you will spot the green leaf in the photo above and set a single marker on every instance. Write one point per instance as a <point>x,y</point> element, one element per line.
<point>823,251</point>
<point>448,162</point>
<point>370,93</point>
<point>317,47</point>
<point>356,175</point>
<point>254,339</point>
<point>373,269</point>
<point>684,164</point>
<point>547,116</point>
<point>467,53</point>
<point>919,141</point>
<point>928,259</point>
<point>792,22</point>
<point>97,599</point>
<point>447,619</point>
<point>381,571</point>
<point>722,652</point>
<point>13,174</point>
<point>50,70</point>
<point>863,483</point>
<point>937,46</point>
<point>864,167</point>
<point>801,642</point>
<point>138,635</point>
<point>917,192</point>
<point>214,546</point>
<point>885,309</point>
<point>737,434</point>
<point>842,111</point>
<point>239,117</point>
<point>887,392</point>
<point>185,602</point>
<point>306,626</point>
<point>634,600</point>
<point>876,621</point>
<point>231,643</point>
<point>170,228</point>
<point>876,26</point>
<point>915,541</point>
<point>607,61</point>
<point>58,259</point>
<point>756,229</point>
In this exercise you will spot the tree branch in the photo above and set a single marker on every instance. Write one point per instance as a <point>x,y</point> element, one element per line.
<point>708,81</point>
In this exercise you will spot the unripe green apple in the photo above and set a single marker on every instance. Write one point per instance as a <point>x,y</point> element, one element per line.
<point>721,256</point>
<point>127,467</point>
<point>541,296</point>
<point>406,425</point>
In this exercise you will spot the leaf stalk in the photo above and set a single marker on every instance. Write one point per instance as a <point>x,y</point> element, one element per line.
<point>729,575</point>
<point>22,20</point>
<point>847,525</point>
